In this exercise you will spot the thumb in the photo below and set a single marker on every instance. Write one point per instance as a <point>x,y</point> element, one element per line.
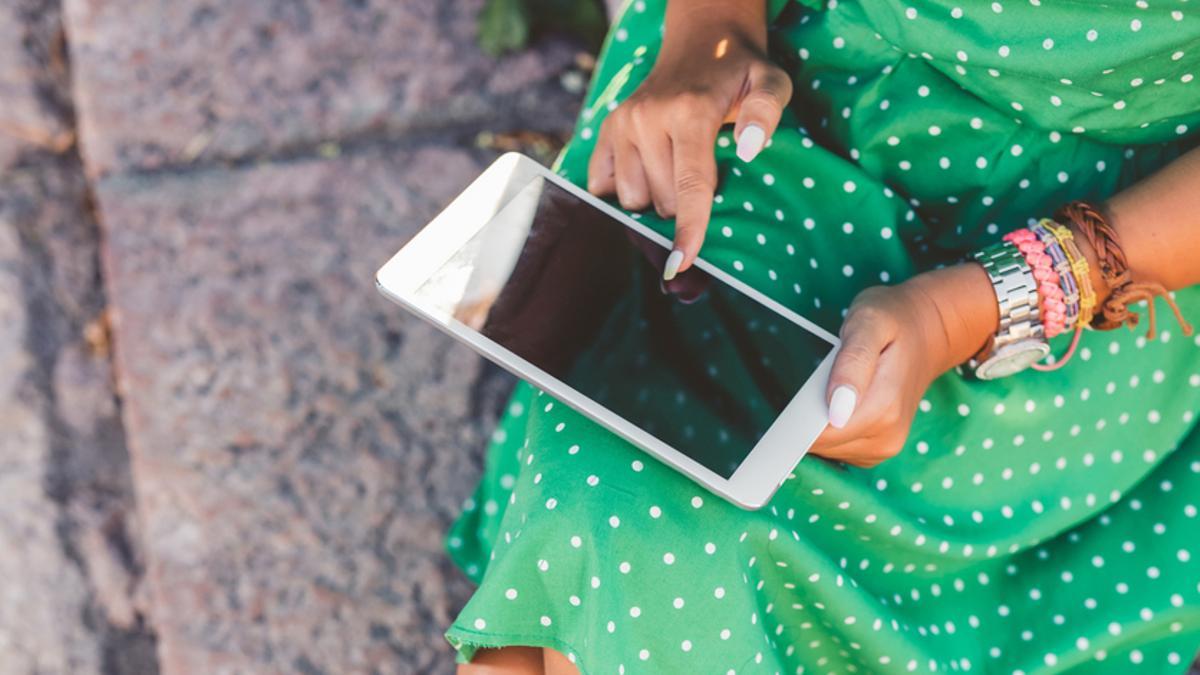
<point>759,111</point>
<point>864,336</point>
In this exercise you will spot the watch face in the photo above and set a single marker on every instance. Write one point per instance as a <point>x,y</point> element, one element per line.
<point>1012,358</point>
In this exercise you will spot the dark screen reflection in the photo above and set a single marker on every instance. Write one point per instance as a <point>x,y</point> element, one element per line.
<point>702,367</point>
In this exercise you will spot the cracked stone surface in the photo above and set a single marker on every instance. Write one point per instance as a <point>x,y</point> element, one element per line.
<point>70,566</point>
<point>299,442</point>
<point>70,562</point>
<point>205,80</point>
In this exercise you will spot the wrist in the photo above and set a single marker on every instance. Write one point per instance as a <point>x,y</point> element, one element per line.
<point>963,297</point>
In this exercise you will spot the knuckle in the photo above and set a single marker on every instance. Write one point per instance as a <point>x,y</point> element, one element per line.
<point>690,181</point>
<point>855,356</point>
<point>632,200</point>
<point>776,80</point>
<point>695,104</point>
<point>866,313</point>
<point>872,295</point>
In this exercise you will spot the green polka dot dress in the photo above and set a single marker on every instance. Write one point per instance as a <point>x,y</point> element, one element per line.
<point>1041,523</point>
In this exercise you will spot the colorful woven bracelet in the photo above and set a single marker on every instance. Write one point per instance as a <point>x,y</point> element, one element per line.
<point>1050,294</point>
<point>1062,265</point>
<point>1082,273</point>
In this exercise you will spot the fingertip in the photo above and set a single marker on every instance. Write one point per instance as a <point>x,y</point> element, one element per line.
<point>841,405</point>
<point>750,142</point>
<point>673,264</point>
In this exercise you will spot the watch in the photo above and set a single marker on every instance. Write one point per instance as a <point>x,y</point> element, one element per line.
<point>1020,340</point>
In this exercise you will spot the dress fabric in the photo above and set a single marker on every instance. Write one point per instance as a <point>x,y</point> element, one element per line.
<point>1040,523</point>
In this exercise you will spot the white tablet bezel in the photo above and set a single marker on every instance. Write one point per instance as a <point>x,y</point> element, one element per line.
<point>770,461</point>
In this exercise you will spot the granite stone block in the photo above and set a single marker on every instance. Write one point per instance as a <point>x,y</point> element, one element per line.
<point>167,84</point>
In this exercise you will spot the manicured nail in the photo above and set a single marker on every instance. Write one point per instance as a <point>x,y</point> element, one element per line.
<point>841,405</point>
<point>672,267</point>
<point>750,143</point>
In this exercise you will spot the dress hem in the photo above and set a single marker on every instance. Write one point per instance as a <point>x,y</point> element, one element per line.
<point>467,643</point>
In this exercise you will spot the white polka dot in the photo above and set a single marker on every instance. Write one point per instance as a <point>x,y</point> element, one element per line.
<point>480,624</point>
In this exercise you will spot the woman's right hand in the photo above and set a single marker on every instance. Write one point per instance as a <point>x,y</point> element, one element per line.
<point>657,147</point>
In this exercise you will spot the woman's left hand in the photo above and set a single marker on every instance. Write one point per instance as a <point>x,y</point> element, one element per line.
<point>896,340</point>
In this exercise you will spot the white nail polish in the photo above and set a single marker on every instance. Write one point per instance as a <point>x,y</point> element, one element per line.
<point>750,143</point>
<point>671,268</point>
<point>841,405</point>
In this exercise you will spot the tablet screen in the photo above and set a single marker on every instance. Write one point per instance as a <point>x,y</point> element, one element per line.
<point>698,364</point>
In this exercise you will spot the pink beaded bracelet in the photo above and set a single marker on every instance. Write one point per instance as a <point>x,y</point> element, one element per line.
<point>1051,300</point>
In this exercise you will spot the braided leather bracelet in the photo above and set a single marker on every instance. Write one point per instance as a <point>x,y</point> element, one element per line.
<point>1114,268</point>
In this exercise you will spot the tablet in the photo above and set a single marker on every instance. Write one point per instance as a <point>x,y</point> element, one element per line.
<point>705,373</point>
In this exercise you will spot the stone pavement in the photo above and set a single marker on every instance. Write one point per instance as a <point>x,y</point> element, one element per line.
<point>220,450</point>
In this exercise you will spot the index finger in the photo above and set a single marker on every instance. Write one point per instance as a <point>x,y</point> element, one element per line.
<point>695,182</point>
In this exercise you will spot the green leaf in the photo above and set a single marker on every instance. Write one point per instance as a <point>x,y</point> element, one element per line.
<point>503,26</point>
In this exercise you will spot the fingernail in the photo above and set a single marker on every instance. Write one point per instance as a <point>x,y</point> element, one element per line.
<point>750,143</point>
<point>671,268</point>
<point>841,405</point>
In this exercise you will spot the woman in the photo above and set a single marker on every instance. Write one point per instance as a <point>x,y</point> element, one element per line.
<point>1040,522</point>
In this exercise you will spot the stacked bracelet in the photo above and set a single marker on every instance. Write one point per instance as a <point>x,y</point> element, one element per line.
<point>1050,293</point>
<point>1062,265</point>
<point>1076,276</point>
<point>1056,293</point>
<point>1081,272</point>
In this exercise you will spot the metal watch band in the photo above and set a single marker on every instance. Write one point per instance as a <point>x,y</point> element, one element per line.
<point>1016,292</point>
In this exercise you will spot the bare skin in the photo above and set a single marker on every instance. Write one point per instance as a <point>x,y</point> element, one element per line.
<point>896,339</point>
